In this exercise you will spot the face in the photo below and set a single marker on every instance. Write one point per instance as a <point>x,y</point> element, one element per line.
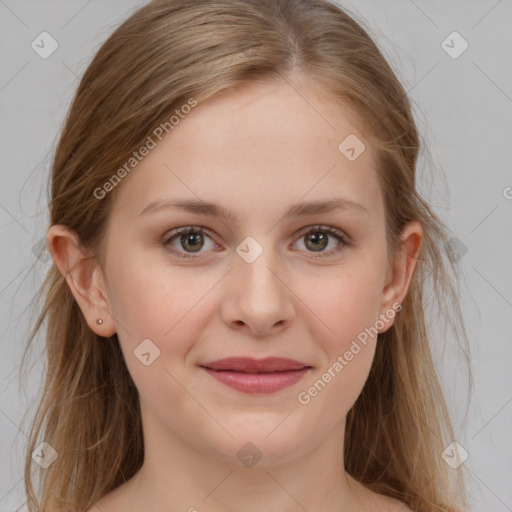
<point>259,284</point>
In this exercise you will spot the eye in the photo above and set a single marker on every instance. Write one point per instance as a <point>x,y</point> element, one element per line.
<point>190,238</point>
<point>317,238</point>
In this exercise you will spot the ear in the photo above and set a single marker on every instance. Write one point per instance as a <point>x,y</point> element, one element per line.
<point>400,272</point>
<point>84,277</point>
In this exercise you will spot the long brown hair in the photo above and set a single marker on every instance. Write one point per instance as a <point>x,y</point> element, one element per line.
<point>167,52</point>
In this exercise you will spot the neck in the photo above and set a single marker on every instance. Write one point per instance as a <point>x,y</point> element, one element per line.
<point>178,476</point>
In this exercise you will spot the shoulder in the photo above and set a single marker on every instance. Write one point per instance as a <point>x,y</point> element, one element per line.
<point>102,506</point>
<point>119,499</point>
<point>386,504</point>
<point>400,506</point>
<point>374,501</point>
<point>110,502</point>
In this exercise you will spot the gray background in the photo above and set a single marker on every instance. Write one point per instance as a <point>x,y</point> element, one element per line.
<point>463,107</point>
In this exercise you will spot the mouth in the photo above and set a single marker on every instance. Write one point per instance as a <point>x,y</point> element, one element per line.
<point>257,376</point>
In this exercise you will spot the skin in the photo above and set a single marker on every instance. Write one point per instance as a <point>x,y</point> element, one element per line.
<point>255,150</point>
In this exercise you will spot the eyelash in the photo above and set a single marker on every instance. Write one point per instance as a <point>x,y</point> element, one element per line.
<point>336,233</point>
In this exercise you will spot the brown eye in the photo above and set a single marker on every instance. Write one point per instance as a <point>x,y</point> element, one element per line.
<point>317,241</point>
<point>189,240</point>
<point>317,238</point>
<point>193,241</point>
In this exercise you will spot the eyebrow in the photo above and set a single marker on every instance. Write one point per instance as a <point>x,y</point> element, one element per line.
<point>215,210</point>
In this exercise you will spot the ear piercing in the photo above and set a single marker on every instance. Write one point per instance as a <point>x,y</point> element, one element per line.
<point>99,321</point>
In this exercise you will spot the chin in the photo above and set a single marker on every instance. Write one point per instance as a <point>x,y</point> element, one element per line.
<point>260,446</point>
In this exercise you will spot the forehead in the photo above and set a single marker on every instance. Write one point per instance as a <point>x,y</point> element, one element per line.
<point>262,146</point>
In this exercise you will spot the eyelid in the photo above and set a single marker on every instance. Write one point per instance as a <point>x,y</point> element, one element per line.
<point>332,231</point>
<point>338,233</point>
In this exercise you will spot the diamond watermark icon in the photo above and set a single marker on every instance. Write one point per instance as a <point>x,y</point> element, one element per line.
<point>455,249</point>
<point>249,455</point>
<point>454,455</point>
<point>249,249</point>
<point>146,352</point>
<point>454,45</point>
<point>40,251</point>
<point>44,45</point>
<point>45,455</point>
<point>351,147</point>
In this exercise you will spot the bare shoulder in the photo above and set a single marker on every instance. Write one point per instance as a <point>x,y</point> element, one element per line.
<point>103,505</point>
<point>114,501</point>
<point>400,506</point>
<point>397,506</point>
<point>386,504</point>
<point>374,501</point>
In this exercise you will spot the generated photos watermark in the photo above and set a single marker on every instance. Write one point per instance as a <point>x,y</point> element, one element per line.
<point>305,397</point>
<point>151,143</point>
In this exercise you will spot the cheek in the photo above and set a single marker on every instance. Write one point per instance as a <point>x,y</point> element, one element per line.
<point>338,383</point>
<point>348,305</point>
<point>154,300</point>
<point>167,306</point>
<point>159,314</point>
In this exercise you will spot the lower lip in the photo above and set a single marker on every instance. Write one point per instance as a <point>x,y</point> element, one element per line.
<point>258,382</point>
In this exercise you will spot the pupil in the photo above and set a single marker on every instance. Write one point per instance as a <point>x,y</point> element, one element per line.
<point>193,238</point>
<point>318,237</point>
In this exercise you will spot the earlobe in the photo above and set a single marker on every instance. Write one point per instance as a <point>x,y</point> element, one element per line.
<point>400,275</point>
<point>83,276</point>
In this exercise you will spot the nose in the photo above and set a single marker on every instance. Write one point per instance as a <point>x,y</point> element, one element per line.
<point>257,299</point>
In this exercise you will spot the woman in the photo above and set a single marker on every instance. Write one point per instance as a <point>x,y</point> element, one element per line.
<point>235,315</point>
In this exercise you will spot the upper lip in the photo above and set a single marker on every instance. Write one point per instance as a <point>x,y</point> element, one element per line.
<point>250,365</point>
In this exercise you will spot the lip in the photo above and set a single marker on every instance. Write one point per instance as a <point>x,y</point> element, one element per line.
<point>257,375</point>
